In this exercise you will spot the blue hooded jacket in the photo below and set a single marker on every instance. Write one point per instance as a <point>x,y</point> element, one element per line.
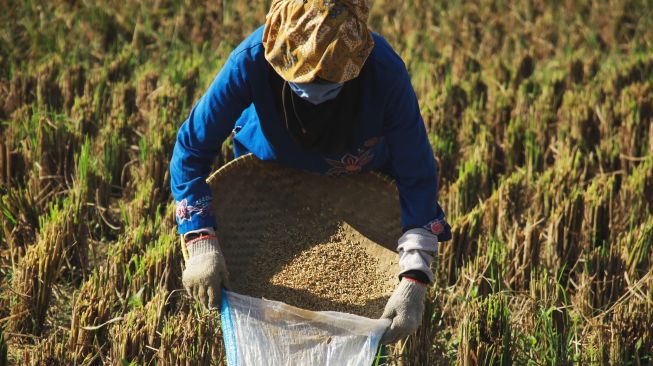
<point>391,136</point>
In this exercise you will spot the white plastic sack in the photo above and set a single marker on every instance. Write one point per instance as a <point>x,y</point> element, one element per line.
<point>262,332</point>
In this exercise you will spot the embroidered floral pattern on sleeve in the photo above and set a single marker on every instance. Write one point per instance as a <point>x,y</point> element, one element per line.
<point>185,211</point>
<point>440,227</point>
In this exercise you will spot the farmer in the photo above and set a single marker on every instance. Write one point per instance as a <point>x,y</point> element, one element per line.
<point>315,90</point>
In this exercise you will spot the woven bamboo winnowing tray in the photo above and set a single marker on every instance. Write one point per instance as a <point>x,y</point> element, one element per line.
<point>252,199</point>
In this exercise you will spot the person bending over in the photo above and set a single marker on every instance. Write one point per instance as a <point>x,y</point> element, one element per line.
<point>313,89</point>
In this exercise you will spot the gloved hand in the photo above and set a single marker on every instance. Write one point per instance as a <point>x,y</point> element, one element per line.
<point>405,309</point>
<point>406,305</point>
<point>206,271</point>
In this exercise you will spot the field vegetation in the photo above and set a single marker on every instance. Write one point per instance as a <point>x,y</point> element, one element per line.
<point>539,114</point>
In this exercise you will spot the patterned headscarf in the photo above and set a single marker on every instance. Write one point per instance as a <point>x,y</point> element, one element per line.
<point>305,39</point>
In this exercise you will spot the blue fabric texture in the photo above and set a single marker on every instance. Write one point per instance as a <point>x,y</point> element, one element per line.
<point>391,136</point>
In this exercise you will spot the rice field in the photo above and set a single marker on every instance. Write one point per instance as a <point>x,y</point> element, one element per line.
<point>540,117</point>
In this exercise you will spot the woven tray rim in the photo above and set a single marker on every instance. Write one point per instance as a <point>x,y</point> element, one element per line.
<point>250,159</point>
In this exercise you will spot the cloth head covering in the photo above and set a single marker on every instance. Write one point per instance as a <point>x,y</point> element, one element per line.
<point>306,39</point>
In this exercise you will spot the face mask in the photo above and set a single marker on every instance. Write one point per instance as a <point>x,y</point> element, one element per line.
<point>316,92</point>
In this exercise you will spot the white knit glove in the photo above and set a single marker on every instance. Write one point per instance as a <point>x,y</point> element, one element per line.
<point>406,305</point>
<point>206,271</point>
<point>405,309</point>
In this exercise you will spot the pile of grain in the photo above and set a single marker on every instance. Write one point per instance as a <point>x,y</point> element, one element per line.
<point>325,268</point>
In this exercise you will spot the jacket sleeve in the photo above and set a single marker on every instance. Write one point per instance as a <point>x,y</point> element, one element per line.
<point>199,141</point>
<point>412,161</point>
